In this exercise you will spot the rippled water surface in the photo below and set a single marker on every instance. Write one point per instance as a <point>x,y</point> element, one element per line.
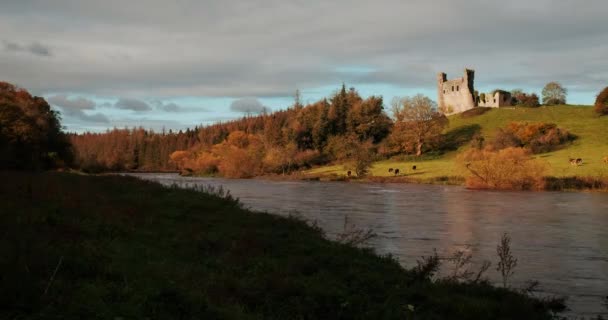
<point>559,239</point>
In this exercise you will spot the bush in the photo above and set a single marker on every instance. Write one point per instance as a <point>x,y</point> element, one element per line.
<point>601,102</point>
<point>538,137</point>
<point>506,169</point>
<point>526,100</point>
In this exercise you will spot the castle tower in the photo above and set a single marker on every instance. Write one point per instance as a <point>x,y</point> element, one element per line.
<point>456,95</point>
<point>441,78</point>
<point>469,79</point>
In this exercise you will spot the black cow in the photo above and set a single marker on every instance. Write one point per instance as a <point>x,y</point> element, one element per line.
<point>414,168</point>
<point>396,172</point>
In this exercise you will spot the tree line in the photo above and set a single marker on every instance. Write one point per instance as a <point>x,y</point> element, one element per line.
<point>343,128</point>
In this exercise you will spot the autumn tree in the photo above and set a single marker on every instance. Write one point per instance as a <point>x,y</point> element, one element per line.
<point>417,120</point>
<point>601,102</point>
<point>554,94</point>
<point>523,99</point>
<point>508,169</point>
<point>30,132</point>
<point>367,120</point>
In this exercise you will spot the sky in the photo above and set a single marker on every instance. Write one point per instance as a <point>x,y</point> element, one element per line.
<point>181,63</point>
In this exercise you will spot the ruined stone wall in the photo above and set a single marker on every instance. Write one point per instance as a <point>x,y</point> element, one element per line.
<point>499,99</point>
<point>456,95</point>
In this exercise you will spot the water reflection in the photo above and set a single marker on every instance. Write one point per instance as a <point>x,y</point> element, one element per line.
<point>559,239</point>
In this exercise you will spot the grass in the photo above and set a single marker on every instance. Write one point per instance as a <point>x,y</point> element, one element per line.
<point>108,247</point>
<point>591,144</point>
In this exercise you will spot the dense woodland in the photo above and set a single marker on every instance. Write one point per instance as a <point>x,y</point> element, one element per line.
<point>345,128</point>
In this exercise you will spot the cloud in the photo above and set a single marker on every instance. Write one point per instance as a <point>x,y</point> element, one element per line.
<point>221,52</point>
<point>247,105</point>
<point>170,107</point>
<point>34,48</point>
<point>66,103</point>
<point>74,108</point>
<point>132,104</point>
<point>207,50</point>
<point>96,117</point>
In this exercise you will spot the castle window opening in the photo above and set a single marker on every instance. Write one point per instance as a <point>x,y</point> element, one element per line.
<point>457,88</point>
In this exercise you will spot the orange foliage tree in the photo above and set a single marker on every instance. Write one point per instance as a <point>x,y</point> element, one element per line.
<point>538,137</point>
<point>507,169</point>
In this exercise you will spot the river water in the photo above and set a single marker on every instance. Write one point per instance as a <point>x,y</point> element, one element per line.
<point>559,238</point>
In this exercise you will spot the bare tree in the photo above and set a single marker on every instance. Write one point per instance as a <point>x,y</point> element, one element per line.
<point>507,262</point>
<point>417,119</point>
<point>554,93</point>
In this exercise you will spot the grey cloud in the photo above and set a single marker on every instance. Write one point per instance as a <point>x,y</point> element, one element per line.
<point>34,48</point>
<point>201,48</point>
<point>66,103</point>
<point>132,104</point>
<point>74,107</point>
<point>96,117</point>
<point>247,105</point>
<point>81,116</point>
<point>174,107</point>
<point>170,107</point>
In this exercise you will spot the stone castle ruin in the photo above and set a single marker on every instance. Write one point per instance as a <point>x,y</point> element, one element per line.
<point>458,95</point>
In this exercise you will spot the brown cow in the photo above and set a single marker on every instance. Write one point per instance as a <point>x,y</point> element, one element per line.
<point>606,159</point>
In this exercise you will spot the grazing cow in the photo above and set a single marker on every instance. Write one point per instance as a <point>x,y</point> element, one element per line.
<point>414,168</point>
<point>396,172</point>
<point>348,173</point>
<point>606,159</point>
<point>575,162</point>
<point>390,170</point>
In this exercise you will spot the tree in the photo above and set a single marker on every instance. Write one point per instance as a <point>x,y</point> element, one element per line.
<point>30,132</point>
<point>520,98</point>
<point>417,120</point>
<point>554,93</point>
<point>601,102</point>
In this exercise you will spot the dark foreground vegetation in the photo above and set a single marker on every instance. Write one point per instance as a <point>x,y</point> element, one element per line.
<point>87,247</point>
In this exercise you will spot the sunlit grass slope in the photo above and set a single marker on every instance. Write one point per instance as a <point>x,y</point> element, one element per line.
<point>591,144</point>
<point>111,247</point>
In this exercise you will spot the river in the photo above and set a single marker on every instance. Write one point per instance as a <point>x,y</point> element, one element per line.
<point>559,238</point>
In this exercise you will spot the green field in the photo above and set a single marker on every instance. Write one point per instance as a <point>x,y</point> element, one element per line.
<point>591,144</point>
<point>112,247</point>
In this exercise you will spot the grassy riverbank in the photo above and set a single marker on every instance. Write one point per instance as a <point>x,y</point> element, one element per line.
<point>104,247</point>
<point>591,145</point>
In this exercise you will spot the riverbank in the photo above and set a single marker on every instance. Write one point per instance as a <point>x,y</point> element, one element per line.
<point>599,184</point>
<point>112,246</point>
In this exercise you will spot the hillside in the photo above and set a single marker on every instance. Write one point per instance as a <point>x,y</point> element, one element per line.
<point>591,144</point>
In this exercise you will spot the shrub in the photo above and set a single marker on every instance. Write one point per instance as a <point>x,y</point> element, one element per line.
<point>507,169</point>
<point>601,102</point>
<point>526,100</point>
<point>238,163</point>
<point>538,137</point>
